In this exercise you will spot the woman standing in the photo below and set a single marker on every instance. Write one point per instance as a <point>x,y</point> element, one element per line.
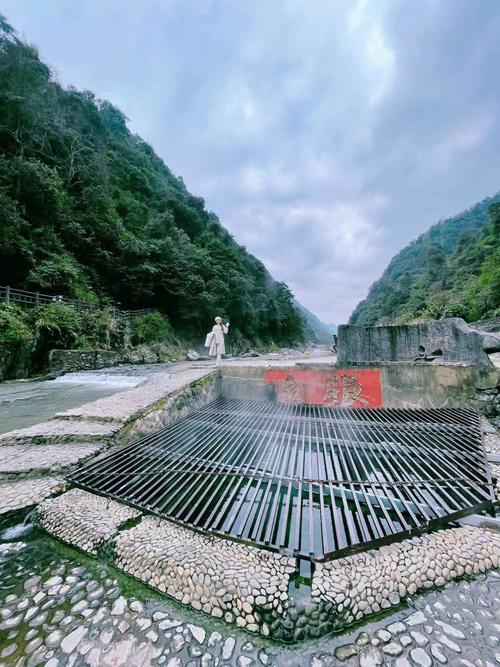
<point>217,346</point>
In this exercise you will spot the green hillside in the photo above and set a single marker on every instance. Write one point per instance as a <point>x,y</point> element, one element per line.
<point>89,211</point>
<point>453,270</point>
<point>316,330</point>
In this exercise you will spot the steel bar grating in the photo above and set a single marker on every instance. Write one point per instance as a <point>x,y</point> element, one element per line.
<point>309,481</point>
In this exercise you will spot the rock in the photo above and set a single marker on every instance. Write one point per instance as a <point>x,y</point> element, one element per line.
<point>174,662</point>
<point>53,581</point>
<point>228,648</point>
<point>54,638</point>
<point>417,618</point>
<point>346,651</point>
<point>71,641</point>
<point>143,623</point>
<point>438,654</point>
<point>123,626</point>
<point>137,606</point>
<point>198,633</point>
<point>371,657</point>
<point>192,355</point>
<point>419,638</point>
<point>448,642</point>
<point>450,630</point>
<point>119,606</point>
<point>402,661</point>
<point>8,650</point>
<point>452,337</point>
<point>244,661</point>
<point>383,635</point>
<point>169,624</point>
<point>420,657</point>
<point>396,628</point>
<point>393,648</point>
<point>177,643</point>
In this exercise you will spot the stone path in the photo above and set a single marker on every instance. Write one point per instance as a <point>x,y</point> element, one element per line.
<point>60,430</point>
<point>56,611</point>
<point>124,406</point>
<point>56,445</point>
<point>25,493</point>
<point>41,458</point>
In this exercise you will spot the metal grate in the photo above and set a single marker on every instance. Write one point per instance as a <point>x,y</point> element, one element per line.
<point>309,481</point>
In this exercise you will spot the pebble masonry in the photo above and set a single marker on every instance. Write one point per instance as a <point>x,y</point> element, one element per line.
<point>83,519</point>
<point>25,493</point>
<point>23,459</point>
<point>249,586</point>
<point>221,578</point>
<point>369,582</point>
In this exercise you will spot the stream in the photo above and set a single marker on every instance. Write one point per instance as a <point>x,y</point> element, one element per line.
<point>27,402</point>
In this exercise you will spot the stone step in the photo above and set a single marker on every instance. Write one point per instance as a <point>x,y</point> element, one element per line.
<point>121,408</point>
<point>60,431</point>
<point>22,459</point>
<point>24,493</point>
<point>83,519</point>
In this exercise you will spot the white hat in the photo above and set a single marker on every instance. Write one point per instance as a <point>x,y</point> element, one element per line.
<point>218,319</point>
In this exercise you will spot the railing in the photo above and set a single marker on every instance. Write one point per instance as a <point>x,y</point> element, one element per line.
<point>10,295</point>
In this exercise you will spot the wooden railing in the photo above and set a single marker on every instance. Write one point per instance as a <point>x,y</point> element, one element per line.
<point>11,295</point>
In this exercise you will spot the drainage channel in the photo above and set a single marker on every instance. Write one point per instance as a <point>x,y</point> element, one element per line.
<point>309,481</point>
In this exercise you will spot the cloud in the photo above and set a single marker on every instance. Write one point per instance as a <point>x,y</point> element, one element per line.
<point>326,135</point>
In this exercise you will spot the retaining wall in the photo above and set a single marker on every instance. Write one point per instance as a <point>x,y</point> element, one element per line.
<point>400,385</point>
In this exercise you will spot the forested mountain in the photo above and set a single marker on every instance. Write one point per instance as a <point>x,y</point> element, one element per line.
<point>316,330</point>
<point>452,270</point>
<point>89,211</point>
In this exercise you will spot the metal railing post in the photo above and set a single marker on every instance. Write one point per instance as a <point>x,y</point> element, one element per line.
<point>7,294</point>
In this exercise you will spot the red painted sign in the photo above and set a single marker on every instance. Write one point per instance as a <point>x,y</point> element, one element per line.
<point>344,388</point>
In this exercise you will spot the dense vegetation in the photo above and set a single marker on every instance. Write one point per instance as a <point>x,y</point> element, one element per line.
<point>89,211</point>
<point>453,270</point>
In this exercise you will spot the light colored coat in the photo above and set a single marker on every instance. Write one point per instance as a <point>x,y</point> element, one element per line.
<point>217,345</point>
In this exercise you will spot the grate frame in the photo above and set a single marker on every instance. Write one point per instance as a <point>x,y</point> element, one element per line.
<point>309,481</point>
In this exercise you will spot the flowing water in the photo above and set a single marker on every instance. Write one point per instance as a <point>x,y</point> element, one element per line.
<point>27,402</point>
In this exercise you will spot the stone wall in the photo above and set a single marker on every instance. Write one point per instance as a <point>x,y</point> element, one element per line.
<point>83,519</point>
<point>403,385</point>
<point>448,340</point>
<point>369,582</point>
<point>242,584</point>
<point>66,361</point>
<point>175,405</point>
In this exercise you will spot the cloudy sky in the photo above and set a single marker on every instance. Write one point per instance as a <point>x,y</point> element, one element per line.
<point>326,134</point>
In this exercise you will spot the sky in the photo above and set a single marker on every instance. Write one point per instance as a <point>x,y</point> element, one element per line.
<point>325,134</point>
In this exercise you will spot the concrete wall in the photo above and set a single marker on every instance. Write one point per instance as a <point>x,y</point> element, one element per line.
<point>402,385</point>
<point>448,340</point>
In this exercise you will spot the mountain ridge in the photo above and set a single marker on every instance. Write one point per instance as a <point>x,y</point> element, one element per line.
<point>89,211</point>
<point>452,269</point>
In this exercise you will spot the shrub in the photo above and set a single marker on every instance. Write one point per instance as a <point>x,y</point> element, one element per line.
<point>150,328</point>
<point>102,328</point>
<point>16,342</point>
<point>56,326</point>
